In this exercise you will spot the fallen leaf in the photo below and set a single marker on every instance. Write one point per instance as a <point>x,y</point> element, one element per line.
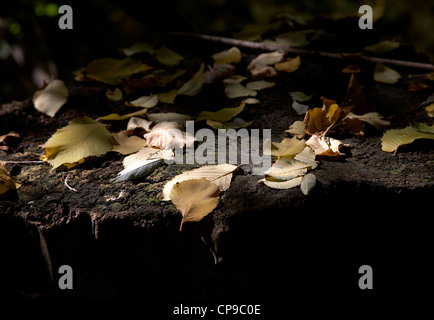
<point>114,95</point>
<point>325,147</point>
<point>308,182</point>
<point>385,74</point>
<point>286,168</point>
<point>292,39</point>
<point>168,57</point>
<point>218,73</point>
<point>288,147</point>
<point>81,138</point>
<point>297,129</point>
<point>138,123</point>
<point>235,79</point>
<point>351,68</point>
<point>382,47</point>
<point>138,170</point>
<point>138,48</point>
<point>290,65</point>
<point>299,108</point>
<point>232,55</point>
<point>194,85</point>
<point>116,116</point>
<point>394,138</point>
<point>50,97</point>
<point>221,115</point>
<point>144,102</point>
<point>259,85</point>
<point>415,86</point>
<point>300,96</point>
<point>237,90</point>
<point>126,144</point>
<point>355,100</point>
<point>7,182</point>
<point>373,118</point>
<point>168,135</point>
<point>307,156</point>
<point>320,119</point>
<point>112,71</point>
<point>278,184</point>
<point>261,64</point>
<point>169,116</point>
<point>236,123</point>
<point>430,110</point>
<point>220,175</point>
<point>195,199</point>
<point>168,97</point>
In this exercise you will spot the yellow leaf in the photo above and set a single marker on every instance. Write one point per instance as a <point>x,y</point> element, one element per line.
<point>297,129</point>
<point>220,175</point>
<point>195,199</point>
<point>81,138</point>
<point>193,86</point>
<point>221,115</point>
<point>144,102</point>
<point>6,181</point>
<point>259,85</point>
<point>321,119</point>
<point>278,184</point>
<point>373,118</point>
<point>51,97</point>
<point>168,57</point>
<point>114,95</point>
<point>116,116</point>
<point>126,144</point>
<point>285,169</point>
<point>168,97</point>
<point>111,71</point>
<point>237,90</point>
<point>286,148</point>
<point>394,138</point>
<point>289,65</point>
<point>232,55</point>
<point>430,110</point>
<point>385,74</point>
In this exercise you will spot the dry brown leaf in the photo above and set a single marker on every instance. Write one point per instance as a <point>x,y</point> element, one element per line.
<point>320,119</point>
<point>195,199</point>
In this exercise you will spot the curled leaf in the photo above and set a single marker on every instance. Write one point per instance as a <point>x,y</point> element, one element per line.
<point>50,97</point>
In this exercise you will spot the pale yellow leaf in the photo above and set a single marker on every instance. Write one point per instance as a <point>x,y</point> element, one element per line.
<point>169,116</point>
<point>193,86</point>
<point>373,118</point>
<point>81,138</point>
<point>168,57</point>
<point>195,199</point>
<point>288,147</point>
<point>126,144</point>
<point>286,168</point>
<point>307,156</point>
<point>288,184</point>
<point>290,65</point>
<point>116,116</point>
<point>114,95</point>
<point>168,97</point>
<point>237,90</point>
<point>394,138</point>
<point>136,122</point>
<point>51,97</point>
<point>259,85</point>
<point>232,55</point>
<point>308,183</point>
<point>112,71</point>
<point>221,115</point>
<point>220,175</point>
<point>385,74</point>
<point>144,102</point>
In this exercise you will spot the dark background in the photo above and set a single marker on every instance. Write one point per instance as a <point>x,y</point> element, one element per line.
<point>34,49</point>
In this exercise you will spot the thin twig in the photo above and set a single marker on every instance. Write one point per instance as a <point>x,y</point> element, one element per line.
<point>298,51</point>
<point>66,184</point>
